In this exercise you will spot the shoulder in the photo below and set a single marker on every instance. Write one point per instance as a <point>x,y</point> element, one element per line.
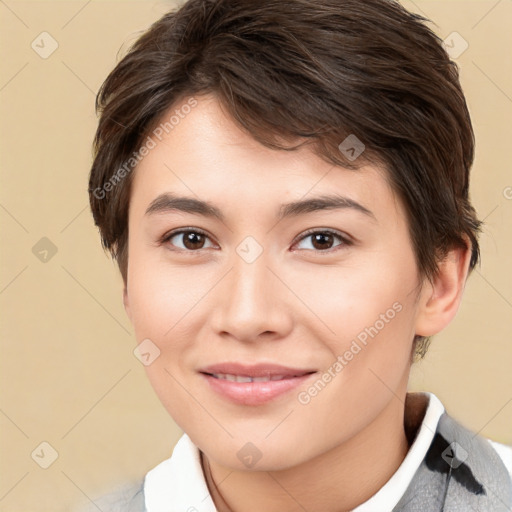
<point>451,428</point>
<point>486,463</point>
<point>505,453</point>
<point>128,497</point>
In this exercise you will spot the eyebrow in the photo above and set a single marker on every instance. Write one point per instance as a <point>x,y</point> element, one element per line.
<point>168,203</point>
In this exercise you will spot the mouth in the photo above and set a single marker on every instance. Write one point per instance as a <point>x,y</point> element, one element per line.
<point>253,384</point>
<point>247,378</point>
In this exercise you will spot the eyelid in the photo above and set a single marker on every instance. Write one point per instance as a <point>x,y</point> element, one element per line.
<point>345,238</point>
<point>170,234</point>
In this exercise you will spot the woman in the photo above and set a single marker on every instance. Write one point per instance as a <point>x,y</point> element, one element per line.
<point>284,186</point>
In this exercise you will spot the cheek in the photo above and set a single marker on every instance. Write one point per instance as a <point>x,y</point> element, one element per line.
<point>347,299</point>
<point>161,296</point>
<point>366,314</point>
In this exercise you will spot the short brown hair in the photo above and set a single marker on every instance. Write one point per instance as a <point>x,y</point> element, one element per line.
<point>318,72</point>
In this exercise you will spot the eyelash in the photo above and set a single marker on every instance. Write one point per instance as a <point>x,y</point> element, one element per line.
<point>346,242</point>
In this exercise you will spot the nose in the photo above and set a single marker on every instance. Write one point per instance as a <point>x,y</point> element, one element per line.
<point>252,302</point>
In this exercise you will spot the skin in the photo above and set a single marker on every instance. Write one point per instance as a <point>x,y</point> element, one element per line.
<point>296,305</point>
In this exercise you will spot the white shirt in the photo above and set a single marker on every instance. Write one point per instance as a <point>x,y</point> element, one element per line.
<point>178,484</point>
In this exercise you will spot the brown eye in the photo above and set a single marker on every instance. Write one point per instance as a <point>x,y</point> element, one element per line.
<point>193,240</point>
<point>190,240</point>
<point>322,241</point>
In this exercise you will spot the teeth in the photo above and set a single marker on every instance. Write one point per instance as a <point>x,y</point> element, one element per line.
<point>243,378</point>
<point>240,378</point>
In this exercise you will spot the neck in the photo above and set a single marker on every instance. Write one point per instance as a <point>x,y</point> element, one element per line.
<point>335,481</point>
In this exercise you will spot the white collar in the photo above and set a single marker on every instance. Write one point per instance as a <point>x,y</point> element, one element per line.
<point>389,495</point>
<point>178,484</point>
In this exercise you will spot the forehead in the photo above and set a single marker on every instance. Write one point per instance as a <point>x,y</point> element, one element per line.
<point>201,152</point>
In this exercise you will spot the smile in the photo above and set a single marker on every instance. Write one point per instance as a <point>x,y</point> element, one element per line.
<point>244,378</point>
<point>253,384</point>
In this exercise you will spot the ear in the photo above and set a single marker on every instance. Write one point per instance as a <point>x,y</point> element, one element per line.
<point>126,302</point>
<point>440,300</point>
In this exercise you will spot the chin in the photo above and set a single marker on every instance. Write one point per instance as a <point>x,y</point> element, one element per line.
<point>244,455</point>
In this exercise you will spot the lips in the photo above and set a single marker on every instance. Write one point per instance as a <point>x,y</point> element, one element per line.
<point>255,371</point>
<point>246,378</point>
<point>253,384</point>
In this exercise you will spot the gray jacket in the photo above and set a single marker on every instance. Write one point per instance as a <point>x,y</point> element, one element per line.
<point>461,472</point>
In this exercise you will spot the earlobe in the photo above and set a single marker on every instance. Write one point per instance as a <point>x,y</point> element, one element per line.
<point>440,300</point>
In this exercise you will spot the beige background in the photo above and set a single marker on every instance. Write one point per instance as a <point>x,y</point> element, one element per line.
<point>68,374</point>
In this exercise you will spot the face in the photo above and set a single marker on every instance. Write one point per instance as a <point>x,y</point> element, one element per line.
<point>319,304</point>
